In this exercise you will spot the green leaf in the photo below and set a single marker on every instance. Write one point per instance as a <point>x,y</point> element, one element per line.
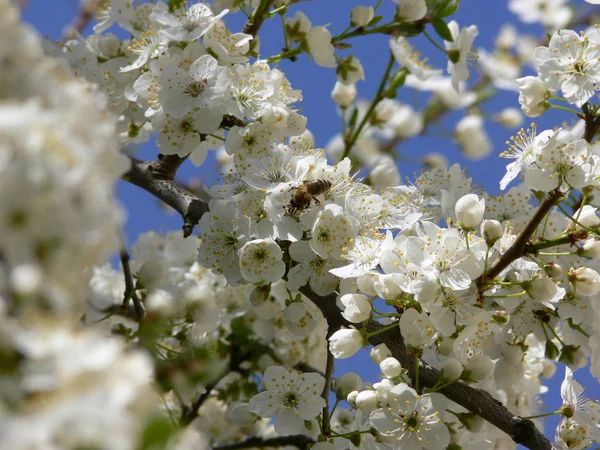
<point>442,30</point>
<point>551,350</point>
<point>374,21</point>
<point>156,434</point>
<point>175,4</point>
<point>445,9</point>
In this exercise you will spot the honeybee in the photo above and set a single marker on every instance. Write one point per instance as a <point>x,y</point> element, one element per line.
<point>306,192</point>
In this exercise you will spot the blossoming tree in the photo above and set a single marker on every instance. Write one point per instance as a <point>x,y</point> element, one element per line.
<point>225,336</point>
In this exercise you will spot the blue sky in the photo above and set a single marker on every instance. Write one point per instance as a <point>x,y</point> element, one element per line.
<point>144,214</point>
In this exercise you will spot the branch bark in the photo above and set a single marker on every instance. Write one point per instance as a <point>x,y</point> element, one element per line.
<point>299,440</point>
<point>191,208</point>
<point>130,293</point>
<point>258,17</point>
<point>480,402</point>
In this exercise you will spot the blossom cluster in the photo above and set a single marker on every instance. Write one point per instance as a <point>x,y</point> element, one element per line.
<point>231,342</point>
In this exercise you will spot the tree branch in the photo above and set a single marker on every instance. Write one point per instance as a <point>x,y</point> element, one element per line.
<point>475,400</point>
<point>86,13</point>
<point>191,208</point>
<point>258,17</point>
<point>517,249</point>
<point>130,293</point>
<point>297,440</point>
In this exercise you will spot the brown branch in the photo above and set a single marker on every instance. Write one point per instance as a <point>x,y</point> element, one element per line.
<point>329,367</point>
<point>85,14</point>
<point>475,400</point>
<point>520,246</point>
<point>517,249</point>
<point>190,207</point>
<point>165,167</point>
<point>130,293</point>
<point>258,17</point>
<point>297,440</point>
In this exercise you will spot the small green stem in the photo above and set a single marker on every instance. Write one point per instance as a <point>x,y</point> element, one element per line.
<point>564,108</point>
<point>383,330</point>
<point>416,373</point>
<point>537,416</point>
<point>557,253</point>
<point>438,46</point>
<point>284,55</point>
<point>374,103</point>
<point>518,294</point>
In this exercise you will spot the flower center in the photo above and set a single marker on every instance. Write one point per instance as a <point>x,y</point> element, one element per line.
<point>290,400</point>
<point>260,254</point>
<point>196,88</point>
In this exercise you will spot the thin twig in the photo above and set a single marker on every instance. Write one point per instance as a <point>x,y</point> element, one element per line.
<point>329,367</point>
<point>258,17</point>
<point>130,293</point>
<point>84,16</point>
<point>299,440</point>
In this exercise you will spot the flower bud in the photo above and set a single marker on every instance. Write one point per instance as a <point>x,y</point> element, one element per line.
<point>452,369</point>
<point>446,347</point>
<point>554,271</point>
<point>472,138</point>
<point>586,216</point>
<point>591,249</point>
<point>346,384</point>
<point>479,367</point>
<point>367,401</point>
<point>585,281</point>
<point>435,160</point>
<point>26,279</point>
<point>533,96</point>
<point>383,111</point>
<point>491,230</point>
<point>390,367</point>
<point>469,211</point>
<point>343,94</point>
<point>541,289</point>
<point>365,283</point>
<point>351,399</point>
<point>152,273</point>
<point>509,118</point>
<point>513,354</point>
<point>358,307</point>
<point>411,10</point>
<point>386,287</point>
<point>379,353</point>
<point>345,342</point>
<point>473,422</point>
<point>361,15</point>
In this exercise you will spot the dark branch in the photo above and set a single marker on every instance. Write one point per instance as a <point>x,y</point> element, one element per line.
<point>258,17</point>
<point>298,440</point>
<point>183,201</point>
<point>475,400</point>
<point>517,249</point>
<point>130,293</point>
<point>85,14</point>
